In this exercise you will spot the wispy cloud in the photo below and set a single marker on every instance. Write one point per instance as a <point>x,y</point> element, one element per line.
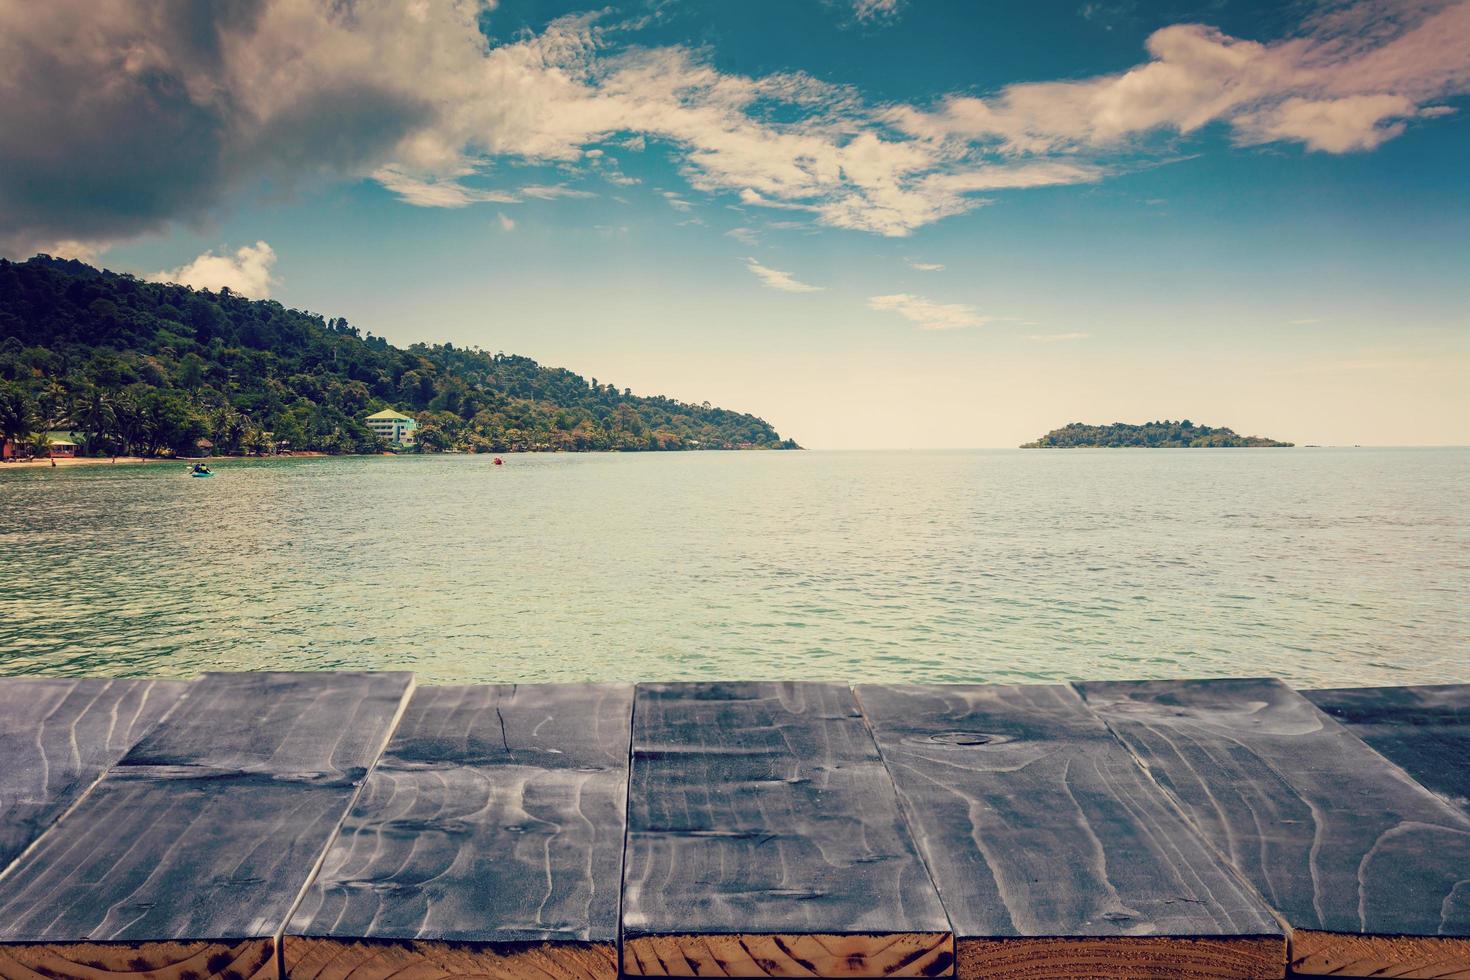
<point>506,223</point>
<point>926,266</point>
<point>870,10</point>
<point>550,192</point>
<point>744,235</point>
<point>247,271</point>
<point>928,314</point>
<point>1057,338</point>
<point>1108,15</point>
<point>776,279</point>
<point>428,190</point>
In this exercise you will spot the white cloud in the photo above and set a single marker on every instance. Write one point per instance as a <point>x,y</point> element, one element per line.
<point>200,104</point>
<point>438,191</point>
<point>1057,338</point>
<point>743,235</point>
<point>247,272</point>
<point>776,279</point>
<point>925,266</point>
<point>874,9</point>
<point>548,192</point>
<point>506,223</point>
<point>88,252</point>
<point>1354,122</point>
<point>928,314</point>
<point>1332,91</point>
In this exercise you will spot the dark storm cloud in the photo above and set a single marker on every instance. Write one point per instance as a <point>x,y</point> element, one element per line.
<point>118,117</point>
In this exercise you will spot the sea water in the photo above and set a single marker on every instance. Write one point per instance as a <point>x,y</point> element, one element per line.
<point>1320,566</point>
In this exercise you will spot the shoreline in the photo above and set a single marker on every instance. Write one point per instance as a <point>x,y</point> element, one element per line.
<point>66,461</point>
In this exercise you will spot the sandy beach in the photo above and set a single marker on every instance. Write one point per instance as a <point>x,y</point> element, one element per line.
<point>60,461</point>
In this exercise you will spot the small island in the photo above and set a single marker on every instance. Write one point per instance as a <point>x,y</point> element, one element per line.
<point>1149,435</point>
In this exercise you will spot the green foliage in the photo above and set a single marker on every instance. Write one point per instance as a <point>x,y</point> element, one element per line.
<point>142,367</point>
<point>17,412</point>
<point>1152,435</point>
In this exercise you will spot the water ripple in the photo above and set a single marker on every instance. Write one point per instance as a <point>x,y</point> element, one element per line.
<point>1323,567</point>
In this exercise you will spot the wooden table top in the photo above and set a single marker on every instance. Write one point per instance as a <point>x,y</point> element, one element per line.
<point>354,825</point>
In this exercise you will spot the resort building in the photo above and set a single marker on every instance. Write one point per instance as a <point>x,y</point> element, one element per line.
<point>390,426</point>
<point>61,444</point>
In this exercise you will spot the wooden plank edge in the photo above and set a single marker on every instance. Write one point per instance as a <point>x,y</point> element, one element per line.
<point>243,959</point>
<point>321,858</point>
<point>322,958</point>
<point>904,954</point>
<point>1319,953</point>
<point>1122,958</point>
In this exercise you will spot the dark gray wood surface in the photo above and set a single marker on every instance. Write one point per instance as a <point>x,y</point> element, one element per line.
<point>1370,870</point>
<point>206,831</point>
<point>490,833</point>
<point>57,736</point>
<point>1423,730</point>
<point>764,838</point>
<point>327,727</point>
<point>1038,824</point>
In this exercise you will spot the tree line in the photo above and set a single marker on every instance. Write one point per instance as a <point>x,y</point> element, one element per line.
<point>136,367</point>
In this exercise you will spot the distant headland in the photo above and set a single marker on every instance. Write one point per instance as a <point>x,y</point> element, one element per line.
<point>94,363</point>
<point>1149,435</point>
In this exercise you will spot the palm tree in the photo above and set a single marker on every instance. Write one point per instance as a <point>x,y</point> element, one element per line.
<point>53,406</point>
<point>99,420</point>
<point>17,413</point>
<point>230,428</point>
<point>128,419</point>
<point>237,427</point>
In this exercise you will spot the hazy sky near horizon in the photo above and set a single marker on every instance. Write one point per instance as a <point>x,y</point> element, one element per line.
<point>886,223</point>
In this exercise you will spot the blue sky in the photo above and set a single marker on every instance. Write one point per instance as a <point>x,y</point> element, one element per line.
<point>1252,215</point>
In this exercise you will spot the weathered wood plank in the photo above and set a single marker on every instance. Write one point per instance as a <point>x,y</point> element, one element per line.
<point>487,842</point>
<point>764,839</point>
<point>187,856</point>
<point>1369,869</point>
<point>1054,853</point>
<point>57,736</point>
<point>1423,730</point>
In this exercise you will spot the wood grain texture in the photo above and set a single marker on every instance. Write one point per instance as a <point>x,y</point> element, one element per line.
<point>764,839</point>
<point>489,838</point>
<point>1052,850</point>
<point>788,955</point>
<point>1134,957</point>
<point>1347,848</point>
<point>249,959</point>
<point>386,959</point>
<point>1333,954</point>
<point>57,736</point>
<point>1423,730</point>
<point>207,831</point>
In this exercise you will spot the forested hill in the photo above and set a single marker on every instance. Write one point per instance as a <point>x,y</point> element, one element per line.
<point>143,367</point>
<point>1156,435</point>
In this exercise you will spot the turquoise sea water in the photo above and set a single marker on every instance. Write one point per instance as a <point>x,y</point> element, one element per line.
<point>1324,567</point>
